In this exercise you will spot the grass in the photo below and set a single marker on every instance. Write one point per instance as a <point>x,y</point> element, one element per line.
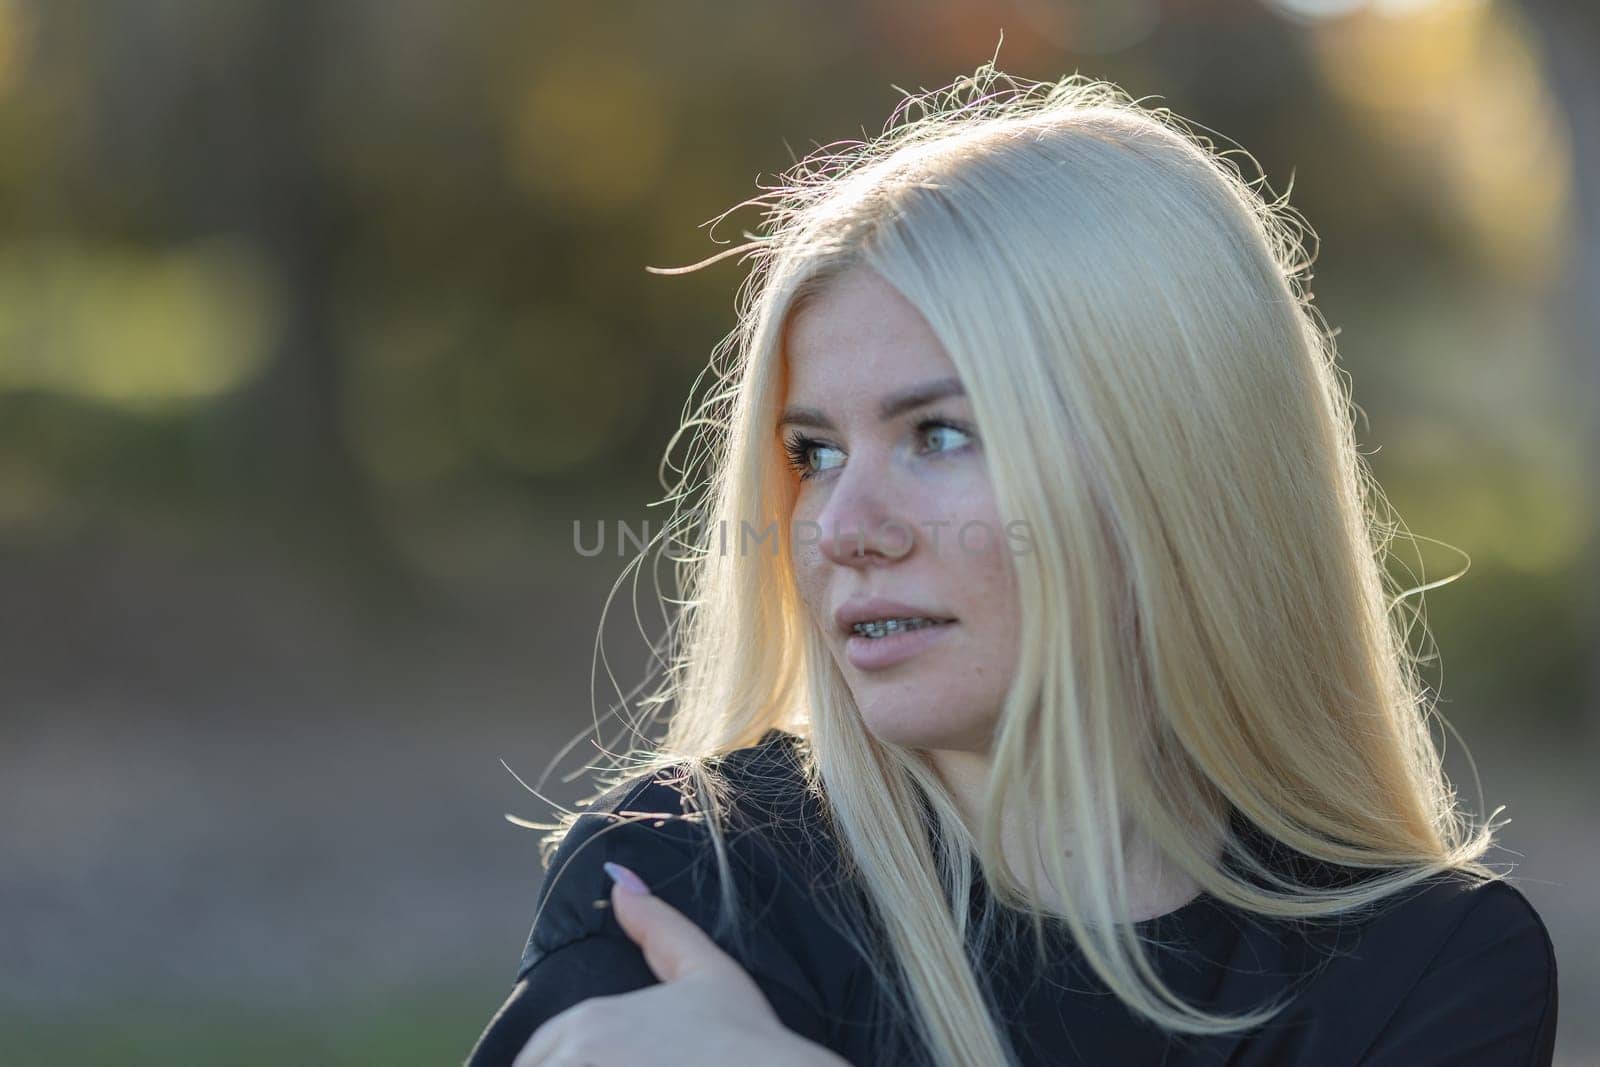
<point>423,1030</point>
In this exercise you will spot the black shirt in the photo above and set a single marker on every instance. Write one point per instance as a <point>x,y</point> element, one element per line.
<point>1455,970</point>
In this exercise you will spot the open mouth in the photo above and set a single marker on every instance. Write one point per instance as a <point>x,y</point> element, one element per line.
<point>878,629</point>
<point>878,645</point>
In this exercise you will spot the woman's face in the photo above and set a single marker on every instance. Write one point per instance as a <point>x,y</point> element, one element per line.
<point>894,504</point>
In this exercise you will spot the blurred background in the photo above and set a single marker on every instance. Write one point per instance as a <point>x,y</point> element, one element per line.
<point>321,324</point>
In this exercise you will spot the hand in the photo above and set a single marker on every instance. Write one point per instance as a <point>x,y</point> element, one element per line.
<point>706,1010</point>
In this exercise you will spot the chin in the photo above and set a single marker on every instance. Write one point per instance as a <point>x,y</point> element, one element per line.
<point>924,724</point>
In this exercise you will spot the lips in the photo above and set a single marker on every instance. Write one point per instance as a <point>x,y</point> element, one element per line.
<point>869,609</point>
<point>902,647</point>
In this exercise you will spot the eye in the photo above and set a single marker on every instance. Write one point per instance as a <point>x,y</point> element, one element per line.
<point>799,447</point>
<point>938,429</point>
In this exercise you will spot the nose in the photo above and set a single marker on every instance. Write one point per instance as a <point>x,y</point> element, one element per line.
<point>861,526</point>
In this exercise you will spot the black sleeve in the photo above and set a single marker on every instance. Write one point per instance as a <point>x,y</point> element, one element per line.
<point>589,967</point>
<point>601,966</point>
<point>1489,997</point>
<point>577,950</point>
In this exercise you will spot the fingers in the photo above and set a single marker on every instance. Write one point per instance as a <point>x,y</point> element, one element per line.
<point>571,1036</point>
<point>722,1007</point>
<point>673,946</point>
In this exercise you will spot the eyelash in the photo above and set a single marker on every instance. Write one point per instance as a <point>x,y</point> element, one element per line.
<point>799,446</point>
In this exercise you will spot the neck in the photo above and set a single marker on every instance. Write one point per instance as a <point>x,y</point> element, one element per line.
<point>1155,886</point>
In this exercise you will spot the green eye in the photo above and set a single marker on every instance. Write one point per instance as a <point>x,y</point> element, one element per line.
<point>939,434</point>
<point>935,429</point>
<point>807,455</point>
<point>800,448</point>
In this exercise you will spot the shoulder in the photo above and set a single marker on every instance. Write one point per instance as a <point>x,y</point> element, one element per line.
<point>1496,917</point>
<point>1462,968</point>
<point>765,802</point>
<point>1466,923</point>
<point>655,825</point>
<point>1488,992</point>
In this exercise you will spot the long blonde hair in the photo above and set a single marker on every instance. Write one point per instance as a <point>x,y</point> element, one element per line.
<point>1208,626</point>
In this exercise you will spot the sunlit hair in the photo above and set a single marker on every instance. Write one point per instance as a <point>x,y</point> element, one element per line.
<point>1208,625</point>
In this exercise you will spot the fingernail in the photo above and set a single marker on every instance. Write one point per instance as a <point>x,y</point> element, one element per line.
<point>629,881</point>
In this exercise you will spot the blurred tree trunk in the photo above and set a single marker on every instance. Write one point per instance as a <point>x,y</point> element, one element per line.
<point>294,410</point>
<point>289,429</point>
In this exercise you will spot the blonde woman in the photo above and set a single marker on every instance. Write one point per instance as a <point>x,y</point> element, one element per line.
<point>1039,694</point>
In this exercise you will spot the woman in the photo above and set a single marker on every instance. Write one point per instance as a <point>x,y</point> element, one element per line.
<point>1038,693</point>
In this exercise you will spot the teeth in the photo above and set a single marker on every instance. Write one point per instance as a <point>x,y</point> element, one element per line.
<point>884,627</point>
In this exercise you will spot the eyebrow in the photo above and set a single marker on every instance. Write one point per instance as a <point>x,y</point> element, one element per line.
<point>890,406</point>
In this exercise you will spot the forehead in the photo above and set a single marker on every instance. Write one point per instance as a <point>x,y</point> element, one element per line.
<point>859,334</point>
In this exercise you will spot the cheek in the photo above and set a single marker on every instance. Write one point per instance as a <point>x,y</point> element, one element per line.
<point>807,565</point>
<point>993,581</point>
<point>984,552</point>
